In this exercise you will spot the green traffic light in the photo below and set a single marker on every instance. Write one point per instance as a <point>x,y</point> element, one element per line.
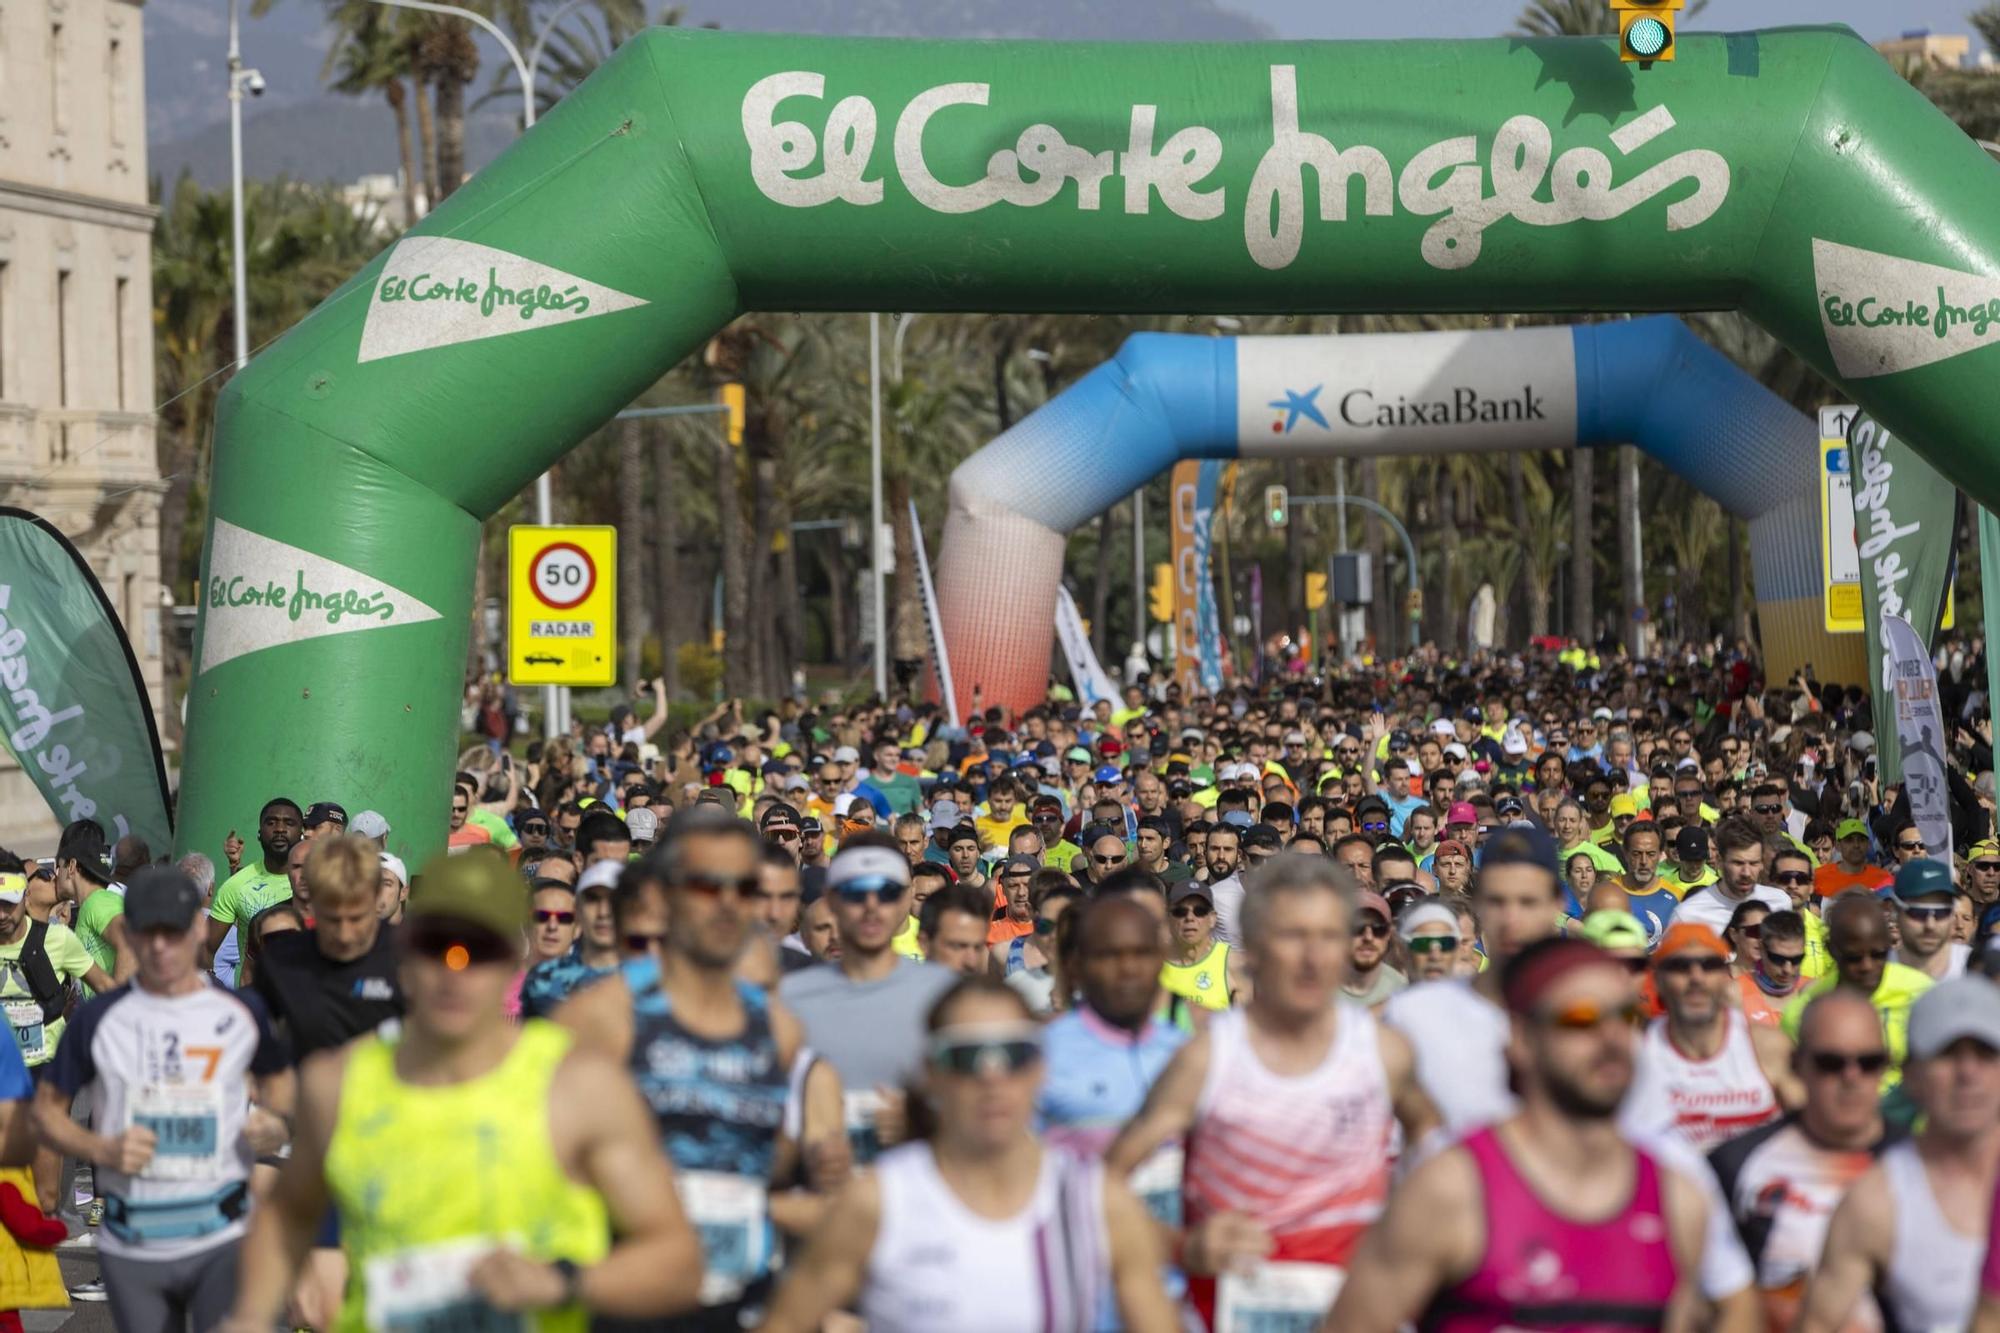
<point>1647,37</point>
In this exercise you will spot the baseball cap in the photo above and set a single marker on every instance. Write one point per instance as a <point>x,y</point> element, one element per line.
<point>1514,743</point>
<point>1691,844</point>
<point>324,812</point>
<point>163,898</point>
<point>643,824</point>
<point>1520,844</point>
<point>1027,863</point>
<point>1262,836</point>
<point>1850,828</point>
<point>1427,913</point>
<point>962,833</point>
<point>369,824</point>
<point>394,865</point>
<point>1609,928</point>
<point>1370,901</point>
<point>1046,802</point>
<point>13,886</point>
<point>1507,805</point>
<point>778,812</point>
<point>1443,728</point>
<point>1295,738</point>
<point>1110,745</point>
<point>1959,1007</point>
<point>1238,819</point>
<point>1461,812</point>
<point>1453,844</point>
<point>944,814</point>
<point>1190,888</point>
<point>1623,804</point>
<point>1076,754</point>
<point>1984,850</point>
<point>478,888</point>
<point>1397,738</point>
<point>846,754</point>
<point>861,869</point>
<point>1690,937</point>
<point>1921,878</point>
<point>1861,742</point>
<point>600,875</point>
<point>1109,773</point>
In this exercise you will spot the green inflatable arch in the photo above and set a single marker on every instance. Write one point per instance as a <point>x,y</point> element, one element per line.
<point>698,175</point>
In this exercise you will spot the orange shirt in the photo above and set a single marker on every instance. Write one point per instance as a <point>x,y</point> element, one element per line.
<point>468,835</point>
<point>1761,1009</point>
<point>1830,879</point>
<point>1007,928</point>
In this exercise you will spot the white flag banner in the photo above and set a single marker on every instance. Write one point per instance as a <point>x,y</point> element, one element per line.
<point>1921,733</point>
<point>940,659</point>
<point>1092,683</point>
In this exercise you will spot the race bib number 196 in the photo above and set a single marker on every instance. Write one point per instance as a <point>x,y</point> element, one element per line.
<point>186,1120</point>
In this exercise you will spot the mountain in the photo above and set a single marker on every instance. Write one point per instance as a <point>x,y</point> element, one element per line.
<point>299,130</point>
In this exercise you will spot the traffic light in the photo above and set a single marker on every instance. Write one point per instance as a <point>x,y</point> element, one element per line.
<point>1646,29</point>
<point>732,398</point>
<point>1277,506</point>
<point>1315,591</point>
<point>1160,599</point>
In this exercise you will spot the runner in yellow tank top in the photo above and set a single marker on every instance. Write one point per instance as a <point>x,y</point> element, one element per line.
<point>1199,968</point>
<point>480,1168</point>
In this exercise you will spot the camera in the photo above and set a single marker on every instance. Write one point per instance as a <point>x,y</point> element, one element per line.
<point>253,83</point>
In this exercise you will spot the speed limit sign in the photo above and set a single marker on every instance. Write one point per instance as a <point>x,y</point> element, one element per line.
<point>562,575</point>
<point>562,606</point>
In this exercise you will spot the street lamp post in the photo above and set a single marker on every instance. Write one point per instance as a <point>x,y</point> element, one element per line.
<point>240,79</point>
<point>555,698</point>
<point>881,625</point>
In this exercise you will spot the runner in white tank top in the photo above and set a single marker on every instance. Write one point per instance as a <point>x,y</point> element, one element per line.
<point>1285,1166</point>
<point>1704,1071</point>
<point>1932,1281</point>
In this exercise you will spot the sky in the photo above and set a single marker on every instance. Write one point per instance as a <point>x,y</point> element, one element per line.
<point>1873,19</point>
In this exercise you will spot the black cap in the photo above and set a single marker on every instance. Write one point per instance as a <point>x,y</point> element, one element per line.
<point>161,898</point>
<point>1691,844</point>
<point>778,812</point>
<point>324,812</point>
<point>1262,836</point>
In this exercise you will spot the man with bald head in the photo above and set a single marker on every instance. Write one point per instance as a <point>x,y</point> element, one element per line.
<point>1783,1180</point>
<point>1606,896</point>
<point>1857,936</point>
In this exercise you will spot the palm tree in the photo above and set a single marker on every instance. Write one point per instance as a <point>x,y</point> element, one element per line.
<point>573,50</point>
<point>370,55</point>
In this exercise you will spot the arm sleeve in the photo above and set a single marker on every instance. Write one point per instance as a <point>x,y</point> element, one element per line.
<point>66,951</point>
<point>224,906</point>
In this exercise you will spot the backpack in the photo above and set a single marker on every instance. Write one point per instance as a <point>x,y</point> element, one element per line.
<point>43,985</point>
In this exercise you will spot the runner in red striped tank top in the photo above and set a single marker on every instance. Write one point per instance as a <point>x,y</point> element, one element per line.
<point>1550,1221</point>
<point>1285,1105</point>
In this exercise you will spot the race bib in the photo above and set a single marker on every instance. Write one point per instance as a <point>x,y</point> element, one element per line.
<point>1157,1182</point>
<point>859,1110</point>
<point>25,1017</point>
<point>427,1289</point>
<point>1276,1298</point>
<point>728,1211</point>
<point>186,1120</point>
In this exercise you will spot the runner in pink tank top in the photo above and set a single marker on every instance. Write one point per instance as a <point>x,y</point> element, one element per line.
<point>1543,1271</point>
<point>1552,1220</point>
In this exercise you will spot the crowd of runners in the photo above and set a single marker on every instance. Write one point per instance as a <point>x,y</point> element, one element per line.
<point>1540,993</point>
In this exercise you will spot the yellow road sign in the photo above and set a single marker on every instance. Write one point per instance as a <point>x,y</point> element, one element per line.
<point>562,605</point>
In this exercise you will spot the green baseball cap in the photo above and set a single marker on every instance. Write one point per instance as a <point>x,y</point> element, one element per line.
<point>1923,878</point>
<point>1848,828</point>
<point>476,887</point>
<point>1609,928</point>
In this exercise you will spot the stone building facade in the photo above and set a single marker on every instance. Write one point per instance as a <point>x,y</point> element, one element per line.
<point>76,331</point>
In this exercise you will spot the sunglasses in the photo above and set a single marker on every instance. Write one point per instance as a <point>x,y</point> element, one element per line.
<point>534,828</point>
<point>1681,967</point>
<point>715,886</point>
<point>1910,847</point>
<point>544,915</point>
<point>458,809</point>
<point>458,948</point>
<point>858,893</point>
<point>1374,826</point>
<point>1424,944</point>
<point>1773,959</point>
<point>1118,860</point>
<point>1753,930</point>
<point>1832,1063</point>
<point>1793,877</point>
<point>1864,956</point>
<point>1928,914</point>
<point>1989,867</point>
<point>1190,911</point>
<point>635,943</point>
<point>782,834</point>
<point>1372,930</point>
<point>1588,1016</point>
<point>1769,809</point>
<point>985,1055</point>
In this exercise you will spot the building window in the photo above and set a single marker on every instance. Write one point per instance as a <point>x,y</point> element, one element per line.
<point>121,351</point>
<point>58,89</point>
<point>62,337</point>
<point>114,65</point>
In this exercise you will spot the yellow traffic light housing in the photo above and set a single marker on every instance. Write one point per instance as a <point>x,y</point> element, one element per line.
<point>1646,29</point>
<point>1315,591</point>
<point>1160,597</point>
<point>1277,506</point>
<point>732,398</point>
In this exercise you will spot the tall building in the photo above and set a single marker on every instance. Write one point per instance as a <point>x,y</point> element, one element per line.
<point>76,332</point>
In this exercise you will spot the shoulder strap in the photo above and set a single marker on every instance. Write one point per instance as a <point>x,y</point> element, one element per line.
<point>43,983</point>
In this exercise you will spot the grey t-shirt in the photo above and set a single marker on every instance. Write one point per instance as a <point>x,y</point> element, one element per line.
<point>871,1032</point>
<point>1387,982</point>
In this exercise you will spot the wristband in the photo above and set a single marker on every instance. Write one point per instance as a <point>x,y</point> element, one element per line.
<point>572,1279</point>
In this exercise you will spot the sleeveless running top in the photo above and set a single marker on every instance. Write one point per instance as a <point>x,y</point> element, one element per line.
<point>1205,983</point>
<point>720,1105</point>
<point>936,1264</point>
<point>414,1224</point>
<point>1704,1101</point>
<point>1306,1155</point>
<point>1932,1281</point>
<point>1543,1271</point>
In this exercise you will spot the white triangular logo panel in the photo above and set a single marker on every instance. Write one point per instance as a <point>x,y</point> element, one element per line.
<point>1883,313</point>
<point>262,593</point>
<point>435,291</point>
